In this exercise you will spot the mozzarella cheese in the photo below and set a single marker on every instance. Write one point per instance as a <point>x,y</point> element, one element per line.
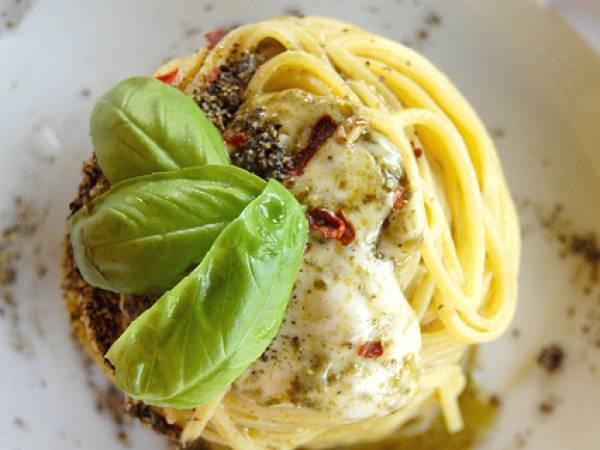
<point>346,298</point>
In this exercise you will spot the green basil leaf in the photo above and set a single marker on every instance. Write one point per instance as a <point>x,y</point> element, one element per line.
<point>143,126</point>
<point>201,335</point>
<point>146,233</point>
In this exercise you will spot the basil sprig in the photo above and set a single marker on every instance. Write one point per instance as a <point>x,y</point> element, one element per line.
<point>201,335</point>
<point>143,126</point>
<point>242,238</point>
<point>146,233</point>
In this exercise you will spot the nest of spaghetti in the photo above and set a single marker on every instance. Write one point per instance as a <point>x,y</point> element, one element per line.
<point>409,257</point>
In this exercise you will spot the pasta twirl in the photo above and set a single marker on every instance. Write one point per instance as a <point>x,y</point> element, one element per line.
<point>463,285</point>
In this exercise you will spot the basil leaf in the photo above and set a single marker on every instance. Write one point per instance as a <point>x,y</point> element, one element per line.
<point>145,233</point>
<point>200,336</point>
<point>143,125</point>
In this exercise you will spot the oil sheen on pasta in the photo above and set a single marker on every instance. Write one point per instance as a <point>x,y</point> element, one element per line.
<point>479,413</point>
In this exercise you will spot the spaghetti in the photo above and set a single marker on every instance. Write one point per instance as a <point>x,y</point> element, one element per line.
<point>460,278</point>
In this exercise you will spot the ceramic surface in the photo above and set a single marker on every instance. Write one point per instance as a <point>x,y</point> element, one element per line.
<point>532,78</point>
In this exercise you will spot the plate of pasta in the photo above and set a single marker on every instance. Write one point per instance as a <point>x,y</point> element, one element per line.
<point>299,227</point>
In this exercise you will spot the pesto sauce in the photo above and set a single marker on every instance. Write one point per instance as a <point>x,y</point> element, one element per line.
<point>479,410</point>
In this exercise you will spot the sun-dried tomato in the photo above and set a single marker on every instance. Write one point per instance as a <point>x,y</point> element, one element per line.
<point>214,73</point>
<point>169,77</point>
<point>348,234</point>
<point>332,226</point>
<point>370,350</point>
<point>236,139</point>
<point>399,198</point>
<point>215,36</point>
<point>326,222</point>
<point>322,131</point>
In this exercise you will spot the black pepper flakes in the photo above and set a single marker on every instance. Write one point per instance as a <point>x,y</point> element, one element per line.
<point>294,11</point>
<point>42,270</point>
<point>260,152</point>
<point>495,401</point>
<point>146,414</point>
<point>498,133</point>
<point>17,238</point>
<point>433,19</point>
<point>551,358</point>
<point>583,247</point>
<point>123,438</point>
<point>422,35</point>
<point>587,248</point>
<point>547,406</point>
<point>296,342</point>
<point>222,96</point>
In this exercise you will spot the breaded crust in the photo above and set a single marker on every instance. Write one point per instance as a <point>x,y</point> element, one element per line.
<point>98,317</point>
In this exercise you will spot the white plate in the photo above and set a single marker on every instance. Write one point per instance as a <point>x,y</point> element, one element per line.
<point>526,72</point>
